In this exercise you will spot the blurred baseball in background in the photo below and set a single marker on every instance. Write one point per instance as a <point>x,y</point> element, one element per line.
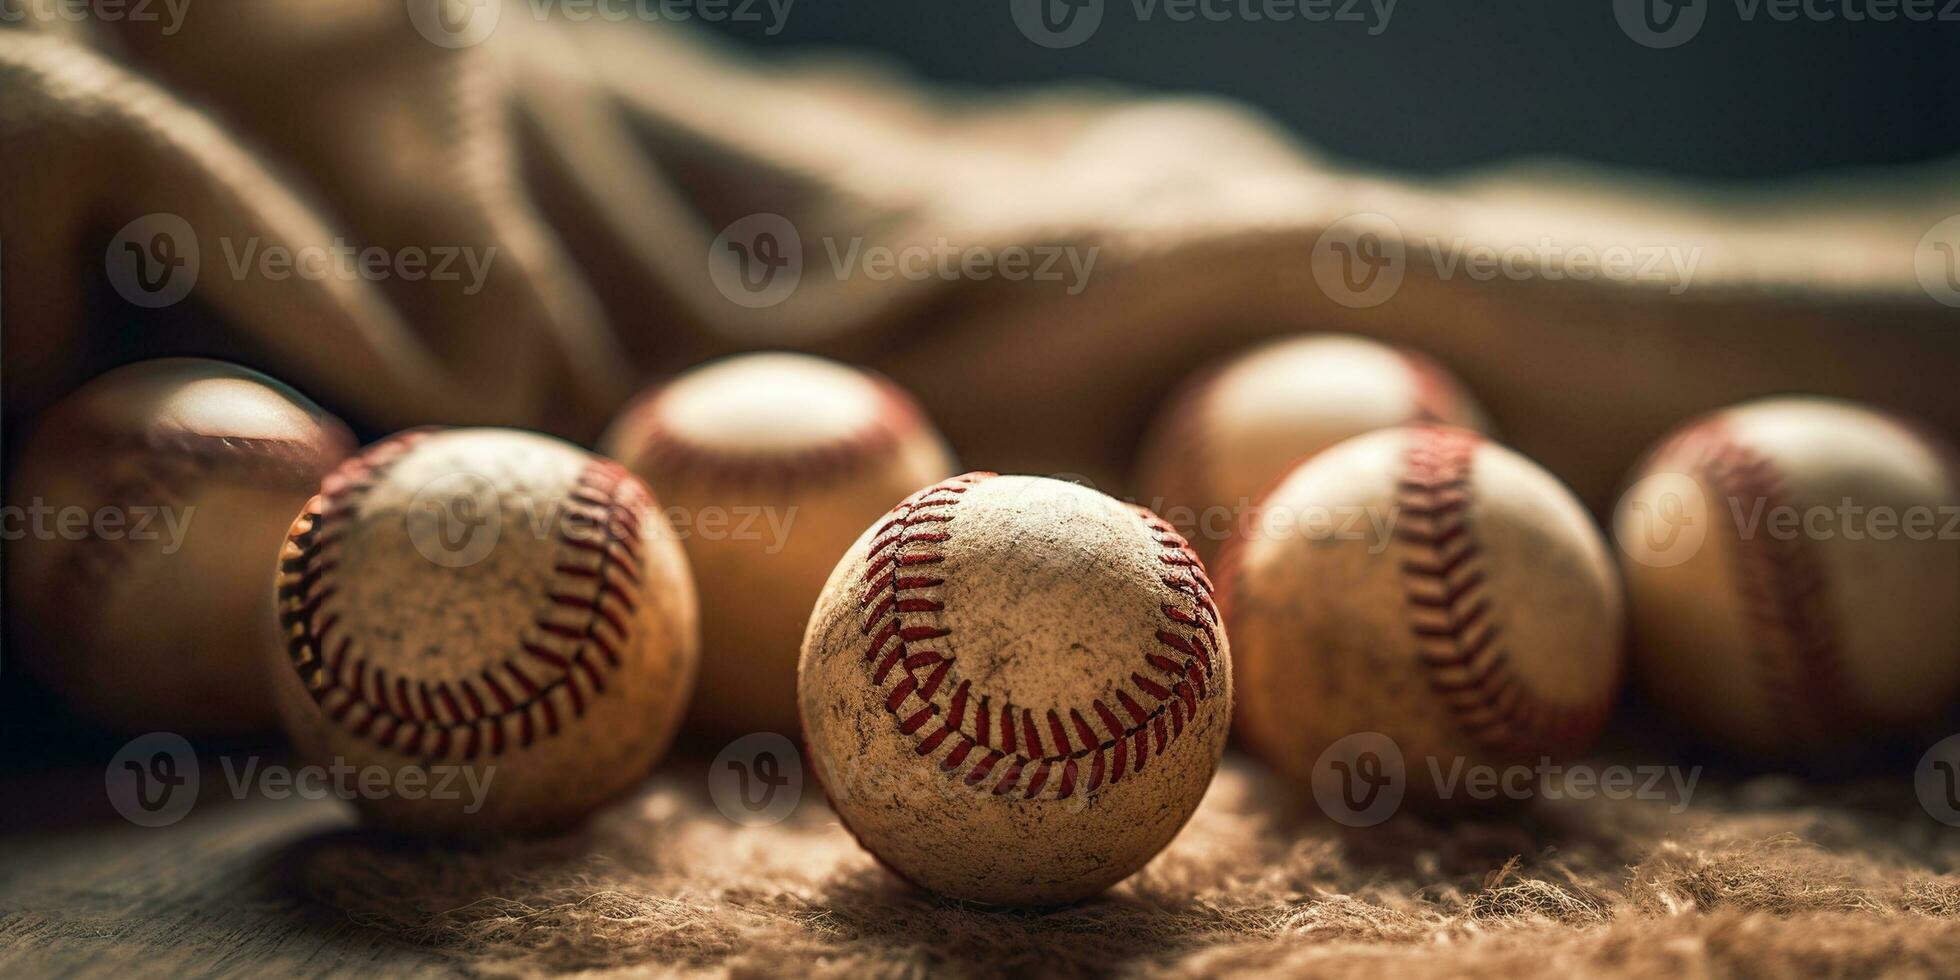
<point>1238,426</point>
<point>154,500</point>
<point>770,465</point>
<point>1792,568</point>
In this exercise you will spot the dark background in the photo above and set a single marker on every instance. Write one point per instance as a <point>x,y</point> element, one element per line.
<point>1454,83</point>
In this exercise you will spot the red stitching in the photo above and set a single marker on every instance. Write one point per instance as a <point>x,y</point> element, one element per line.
<point>663,450</point>
<point>1779,583</point>
<point>1459,640</point>
<point>556,662</point>
<point>1010,741</point>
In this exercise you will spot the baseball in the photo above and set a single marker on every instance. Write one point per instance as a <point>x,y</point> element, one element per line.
<point>501,612</point>
<point>153,499</point>
<point>775,462</point>
<point>1237,427</point>
<point>1791,569</point>
<point>1431,586</point>
<point>1015,690</point>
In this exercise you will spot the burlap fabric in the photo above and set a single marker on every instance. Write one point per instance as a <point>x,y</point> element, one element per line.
<point>602,161</point>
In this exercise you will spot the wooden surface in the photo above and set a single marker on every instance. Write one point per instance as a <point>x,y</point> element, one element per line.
<point>84,893</point>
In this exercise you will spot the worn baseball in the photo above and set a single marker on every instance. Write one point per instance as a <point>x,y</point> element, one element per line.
<point>150,503</point>
<point>1792,566</point>
<point>770,465</point>
<point>495,612</point>
<point>1237,427</point>
<point>1015,690</point>
<point>1431,586</point>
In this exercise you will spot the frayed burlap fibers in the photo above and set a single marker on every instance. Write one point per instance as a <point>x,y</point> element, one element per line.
<point>1759,877</point>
